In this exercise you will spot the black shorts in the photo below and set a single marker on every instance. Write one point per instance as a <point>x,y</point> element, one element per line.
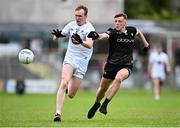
<point>110,70</point>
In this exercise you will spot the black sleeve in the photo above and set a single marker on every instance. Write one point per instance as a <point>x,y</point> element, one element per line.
<point>110,31</point>
<point>132,30</point>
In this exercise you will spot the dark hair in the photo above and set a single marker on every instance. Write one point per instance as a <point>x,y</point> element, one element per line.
<point>121,15</point>
<point>82,7</point>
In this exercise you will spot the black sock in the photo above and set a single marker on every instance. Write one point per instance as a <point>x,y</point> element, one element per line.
<point>105,103</point>
<point>96,104</point>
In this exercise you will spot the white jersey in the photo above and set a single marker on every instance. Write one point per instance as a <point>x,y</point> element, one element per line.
<point>73,50</point>
<point>158,62</point>
<point>77,55</point>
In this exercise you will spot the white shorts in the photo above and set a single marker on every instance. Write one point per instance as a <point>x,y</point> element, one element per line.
<point>79,64</point>
<point>158,75</point>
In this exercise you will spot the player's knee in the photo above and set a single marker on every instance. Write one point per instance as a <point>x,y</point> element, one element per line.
<point>64,82</point>
<point>118,80</point>
<point>63,85</point>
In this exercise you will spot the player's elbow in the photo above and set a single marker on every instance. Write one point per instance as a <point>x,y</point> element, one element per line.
<point>89,46</point>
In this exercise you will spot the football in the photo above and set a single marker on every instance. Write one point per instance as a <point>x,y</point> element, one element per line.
<point>26,56</point>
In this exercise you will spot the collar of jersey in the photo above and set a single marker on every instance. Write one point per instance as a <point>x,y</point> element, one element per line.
<point>122,32</point>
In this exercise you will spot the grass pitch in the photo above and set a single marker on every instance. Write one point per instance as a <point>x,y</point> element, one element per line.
<point>135,108</point>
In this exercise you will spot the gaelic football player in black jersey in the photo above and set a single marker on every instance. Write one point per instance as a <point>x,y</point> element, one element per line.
<point>119,62</point>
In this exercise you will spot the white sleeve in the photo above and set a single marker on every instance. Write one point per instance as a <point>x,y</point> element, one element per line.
<point>89,29</point>
<point>66,29</point>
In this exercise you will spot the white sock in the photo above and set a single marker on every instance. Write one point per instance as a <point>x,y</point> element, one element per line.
<point>157,97</point>
<point>58,111</point>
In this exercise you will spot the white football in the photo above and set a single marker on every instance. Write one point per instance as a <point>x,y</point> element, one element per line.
<point>26,56</point>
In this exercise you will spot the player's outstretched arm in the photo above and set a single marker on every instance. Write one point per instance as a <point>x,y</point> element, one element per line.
<point>57,34</point>
<point>143,40</point>
<point>103,36</point>
<point>96,36</point>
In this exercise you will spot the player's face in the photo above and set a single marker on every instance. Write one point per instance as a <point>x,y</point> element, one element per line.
<point>80,17</point>
<point>159,49</point>
<point>119,23</point>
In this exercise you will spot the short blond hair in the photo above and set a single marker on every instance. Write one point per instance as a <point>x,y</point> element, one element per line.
<point>82,7</point>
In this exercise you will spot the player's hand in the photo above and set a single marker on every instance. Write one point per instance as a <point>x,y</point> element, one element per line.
<point>149,76</point>
<point>76,39</point>
<point>94,35</point>
<point>146,49</point>
<point>57,33</point>
<point>167,70</point>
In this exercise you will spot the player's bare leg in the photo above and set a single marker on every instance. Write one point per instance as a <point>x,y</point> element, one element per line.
<point>67,71</point>
<point>121,75</point>
<point>156,88</point>
<point>73,86</point>
<point>104,84</point>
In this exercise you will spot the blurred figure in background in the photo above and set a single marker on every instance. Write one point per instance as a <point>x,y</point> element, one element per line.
<point>119,63</point>
<point>78,54</point>
<point>36,46</point>
<point>26,43</point>
<point>158,68</point>
<point>20,86</point>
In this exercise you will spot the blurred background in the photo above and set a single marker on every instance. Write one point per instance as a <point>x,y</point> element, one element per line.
<point>29,23</point>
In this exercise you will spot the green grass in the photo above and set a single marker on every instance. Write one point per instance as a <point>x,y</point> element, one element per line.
<point>135,108</point>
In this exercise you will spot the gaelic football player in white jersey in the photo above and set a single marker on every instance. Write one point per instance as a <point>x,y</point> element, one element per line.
<point>77,56</point>
<point>158,68</point>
